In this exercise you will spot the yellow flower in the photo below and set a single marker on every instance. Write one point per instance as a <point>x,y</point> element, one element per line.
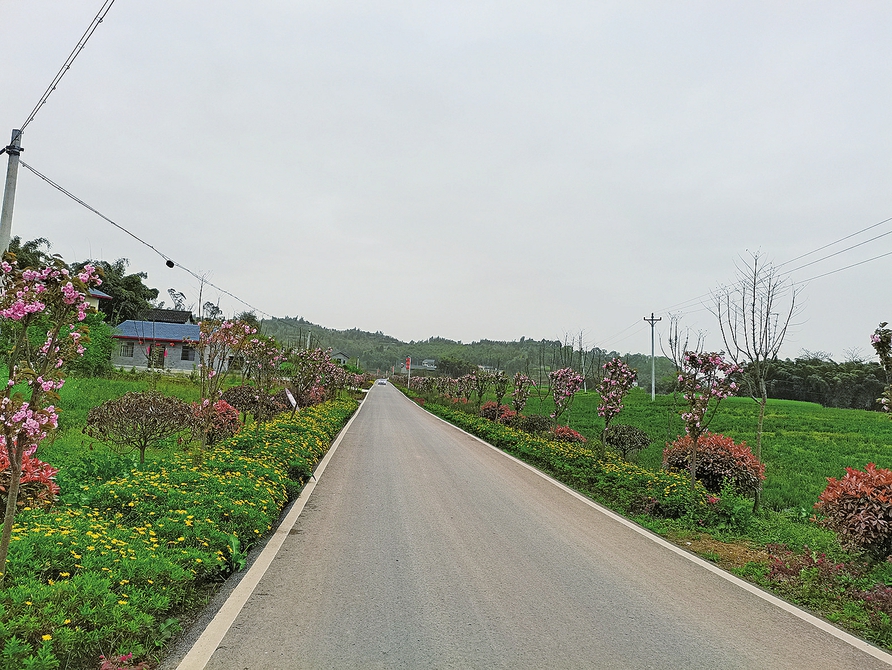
<point>47,637</point>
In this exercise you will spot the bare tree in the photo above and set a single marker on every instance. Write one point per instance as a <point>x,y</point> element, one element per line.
<point>754,314</point>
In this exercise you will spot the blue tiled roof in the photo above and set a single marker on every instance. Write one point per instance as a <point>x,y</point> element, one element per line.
<point>157,330</point>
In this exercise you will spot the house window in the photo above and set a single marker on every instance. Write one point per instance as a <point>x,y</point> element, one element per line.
<point>188,353</point>
<point>126,349</point>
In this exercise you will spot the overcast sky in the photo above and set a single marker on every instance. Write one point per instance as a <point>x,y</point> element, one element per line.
<point>467,169</point>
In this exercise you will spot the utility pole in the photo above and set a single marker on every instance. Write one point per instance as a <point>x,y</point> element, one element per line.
<point>653,375</point>
<point>12,173</point>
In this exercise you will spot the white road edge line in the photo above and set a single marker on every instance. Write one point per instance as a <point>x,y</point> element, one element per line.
<point>216,630</point>
<point>825,626</point>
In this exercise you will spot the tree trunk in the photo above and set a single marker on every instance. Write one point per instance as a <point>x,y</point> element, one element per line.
<point>15,467</point>
<point>763,399</point>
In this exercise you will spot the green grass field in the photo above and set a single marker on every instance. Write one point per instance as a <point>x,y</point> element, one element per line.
<point>802,445</point>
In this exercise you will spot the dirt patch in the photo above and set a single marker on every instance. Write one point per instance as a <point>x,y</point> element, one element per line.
<point>725,554</point>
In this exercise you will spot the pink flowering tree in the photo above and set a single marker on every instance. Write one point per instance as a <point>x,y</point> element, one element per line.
<point>523,389</point>
<point>312,376</point>
<point>615,384</point>
<point>564,385</point>
<point>52,295</point>
<point>219,344</point>
<point>705,380</point>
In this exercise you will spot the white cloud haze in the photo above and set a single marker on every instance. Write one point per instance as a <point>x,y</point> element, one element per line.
<point>466,170</point>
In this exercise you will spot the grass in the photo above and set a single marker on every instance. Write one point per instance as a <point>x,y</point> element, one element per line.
<point>130,548</point>
<point>802,443</point>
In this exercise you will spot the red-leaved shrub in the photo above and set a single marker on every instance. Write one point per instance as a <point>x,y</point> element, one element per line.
<point>719,459</point>
<point>220,418</point>
<point>859,508</point>
<point>492,410</point>
<point>567,434</point>
<point>37,486</point>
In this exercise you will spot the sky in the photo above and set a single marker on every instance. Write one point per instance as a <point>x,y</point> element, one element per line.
<point>468,170</point>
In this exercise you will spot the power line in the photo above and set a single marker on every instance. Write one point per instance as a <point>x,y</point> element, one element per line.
<point>100,15</point>
<point>841,251</point>
<point>842,239</point>
<point>169,261</point>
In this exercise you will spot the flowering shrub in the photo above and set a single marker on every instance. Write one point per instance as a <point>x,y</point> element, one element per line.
<point>499,385</point>
<point>564,385</point>
<point>218,420</point>
<point>705,377</point>
<point>507,415</point>
<point>618,379</point>
<point>255,401</point>
<point>720,460</point>
<point>522,391</point>
<point>705,380</point>
<point>567,434</point>
<point>859,508</point>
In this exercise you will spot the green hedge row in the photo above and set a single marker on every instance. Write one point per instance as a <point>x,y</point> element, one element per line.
<point>623,486</point>
<point>108,574</point>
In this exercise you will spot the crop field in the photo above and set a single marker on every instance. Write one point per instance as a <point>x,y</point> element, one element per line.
<point>802,444</point>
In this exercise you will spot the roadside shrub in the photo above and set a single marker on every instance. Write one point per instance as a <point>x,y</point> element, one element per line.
<point>627,441</point>
<point>719,460</point>
<point>224,421</point>
<point>859,508</point>
<point>567,434</point>
<point>534,423</point>
<point>507,415</point>
<point>37,487</point>
<point>137,421</point>
<point>493,411</point>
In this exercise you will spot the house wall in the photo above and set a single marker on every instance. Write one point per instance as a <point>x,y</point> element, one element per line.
<point>173,361</point>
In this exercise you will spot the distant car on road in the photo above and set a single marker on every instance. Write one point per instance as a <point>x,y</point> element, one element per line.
<point>382,381</point>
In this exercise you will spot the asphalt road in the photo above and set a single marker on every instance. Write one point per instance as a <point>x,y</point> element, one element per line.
<point>420,547</point>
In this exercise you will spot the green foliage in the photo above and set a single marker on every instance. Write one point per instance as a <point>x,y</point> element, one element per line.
<point>625,487</point>
<point>627,441</point>
<point>98,344</point>
<point>130,297</point>
<point>130,545</point>
<point>853,384</point>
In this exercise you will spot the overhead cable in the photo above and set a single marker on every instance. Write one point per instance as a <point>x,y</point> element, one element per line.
<point>100,15</point>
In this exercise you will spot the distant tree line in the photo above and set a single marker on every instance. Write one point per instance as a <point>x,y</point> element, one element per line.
<point>853,384</point>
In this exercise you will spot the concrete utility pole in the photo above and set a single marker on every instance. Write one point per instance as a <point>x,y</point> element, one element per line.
<point>12,173</point>
<point>653,374</point>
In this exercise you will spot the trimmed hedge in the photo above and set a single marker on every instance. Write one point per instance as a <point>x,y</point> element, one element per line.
<point>622,486</point>
<point>108,572</point>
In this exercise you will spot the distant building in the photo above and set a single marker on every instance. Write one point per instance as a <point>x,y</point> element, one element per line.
<point>167,316</point>
<point>340,357</point>
<point>429,364</point>
<point>157,345</point>
<point>94,296</point>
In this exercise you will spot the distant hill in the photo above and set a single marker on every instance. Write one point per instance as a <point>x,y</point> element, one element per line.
<point>377,352</point>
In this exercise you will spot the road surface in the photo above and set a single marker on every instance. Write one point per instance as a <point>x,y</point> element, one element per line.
<point>421,547</point>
